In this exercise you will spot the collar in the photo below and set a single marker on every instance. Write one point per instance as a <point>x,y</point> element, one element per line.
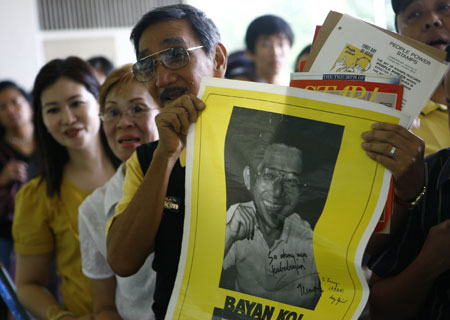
<point>114,191</point>
<point>432,106</point>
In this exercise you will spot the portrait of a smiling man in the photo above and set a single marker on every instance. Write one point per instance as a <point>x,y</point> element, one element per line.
<point>268,243</point>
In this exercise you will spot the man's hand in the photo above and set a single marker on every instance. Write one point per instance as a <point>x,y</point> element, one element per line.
<point>242,223</point>
<point>173,123</point>
<point>406,165</point>
<point>13,171</point>
<point>241,226</point>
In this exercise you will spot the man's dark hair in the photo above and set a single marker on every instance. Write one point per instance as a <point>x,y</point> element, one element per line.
<point>267,25</point>
<point>398,6</point>
<point>305,50</point>
<point>53,156</point>
<point>239,65</point>
<point>203,27</point>
<point>283,132</point>
<point>101,63</point>
<point>7,84</point>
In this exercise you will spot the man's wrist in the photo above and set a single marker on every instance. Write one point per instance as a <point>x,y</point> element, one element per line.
<point>414,203</point>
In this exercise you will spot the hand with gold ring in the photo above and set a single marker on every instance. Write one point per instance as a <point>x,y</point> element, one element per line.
<point>401,152</point>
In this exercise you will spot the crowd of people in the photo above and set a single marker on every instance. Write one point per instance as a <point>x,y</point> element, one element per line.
<point>95,148</point>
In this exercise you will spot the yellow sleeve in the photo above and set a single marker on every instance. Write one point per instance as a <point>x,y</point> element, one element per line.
<point>31,226</point>
<point>433,128</point>
<point>133,179</point>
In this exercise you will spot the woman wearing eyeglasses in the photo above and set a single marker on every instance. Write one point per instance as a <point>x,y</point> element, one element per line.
<point>75,160</point>
<point>128,113</point>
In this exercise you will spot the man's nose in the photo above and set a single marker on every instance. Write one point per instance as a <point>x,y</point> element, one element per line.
<point>278,187</point>
<point>433,20</point>
<point>164,76</point>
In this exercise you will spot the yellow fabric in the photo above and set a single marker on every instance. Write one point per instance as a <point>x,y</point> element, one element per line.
<point>433,127</point>
<point>44,224</point>
<point>133,179</point>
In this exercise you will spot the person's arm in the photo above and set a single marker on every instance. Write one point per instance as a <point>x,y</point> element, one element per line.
<point>131,235</point>
<point>31,285</point>
<point>401,296</point>
<point>407,168</point>
<point>103,296</point>
<point>91,226</point>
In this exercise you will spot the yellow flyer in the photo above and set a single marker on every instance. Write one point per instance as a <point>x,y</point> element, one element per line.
<point>280,203</point>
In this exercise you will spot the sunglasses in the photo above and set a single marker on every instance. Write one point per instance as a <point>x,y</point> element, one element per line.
<point>172,58</point>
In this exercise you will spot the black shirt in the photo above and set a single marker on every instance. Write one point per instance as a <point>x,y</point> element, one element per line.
<point>170,232</point>
<point>407,243</point>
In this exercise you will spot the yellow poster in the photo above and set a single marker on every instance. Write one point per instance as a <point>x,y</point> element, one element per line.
<point>280,203</point>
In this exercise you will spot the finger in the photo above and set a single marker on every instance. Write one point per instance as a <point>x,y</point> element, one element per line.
<point>168,120</point>
<point>383,141</point>
<point>199,104</point>
<point>244,219</point>
<point>250,222</point>
<point>391,137</point>
<point>393,129</point>
<point>251,213</point>
<point>382,159</point>
<point>384,149</point>
<point>190,103</point>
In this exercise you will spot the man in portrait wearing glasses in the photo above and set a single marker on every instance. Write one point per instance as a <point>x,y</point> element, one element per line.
<point>267,242</point>
<point>175,46</point>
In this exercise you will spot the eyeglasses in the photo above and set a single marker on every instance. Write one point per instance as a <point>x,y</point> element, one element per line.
<point>172,58</point>
<point>114,114</point>
<point>289,180</point>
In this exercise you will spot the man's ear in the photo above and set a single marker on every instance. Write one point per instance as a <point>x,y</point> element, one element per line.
<point>220,60</point>
<point>247,178</point>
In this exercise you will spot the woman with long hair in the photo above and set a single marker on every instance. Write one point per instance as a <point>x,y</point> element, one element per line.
<point>128,112</point>
<point>18,161</point>
<point>75,159</point>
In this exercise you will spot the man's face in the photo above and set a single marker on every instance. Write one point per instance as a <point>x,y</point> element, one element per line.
<point>276,192</point>
<point>167,84</point>
<point>427,21</point>
<point>271,53</point>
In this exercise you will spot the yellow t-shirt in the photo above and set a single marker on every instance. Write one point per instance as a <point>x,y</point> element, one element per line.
<point>133,179</point>
<point>44,224</point>
<point>433,127</point>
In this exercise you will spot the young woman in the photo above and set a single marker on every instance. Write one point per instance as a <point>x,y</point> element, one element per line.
<point>75,160</point>
<point>128,113</point>
<point>17,149</point>
<point>18,161</point>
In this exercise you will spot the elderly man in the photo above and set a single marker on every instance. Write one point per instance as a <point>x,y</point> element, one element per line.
<point>428,21</point>
<point>266,240</point>
<point>176,46</point>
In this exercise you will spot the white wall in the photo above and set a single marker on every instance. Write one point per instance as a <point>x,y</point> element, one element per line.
<point>111,43</point>
<point>24,49</point>
<point>20,49</point>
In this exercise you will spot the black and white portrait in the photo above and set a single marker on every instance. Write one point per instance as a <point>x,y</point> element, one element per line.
<point>278,173</point>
